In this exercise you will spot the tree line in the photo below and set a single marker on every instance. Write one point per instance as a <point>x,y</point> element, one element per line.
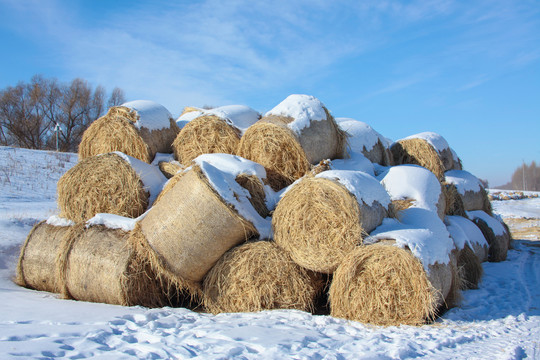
<point>45,113</point>
<point>525,177</point>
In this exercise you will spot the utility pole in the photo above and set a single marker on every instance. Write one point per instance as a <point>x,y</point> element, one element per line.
<point>57,130</point>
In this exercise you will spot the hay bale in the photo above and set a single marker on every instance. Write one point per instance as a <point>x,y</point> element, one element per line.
<point>494,232</point>
<point>259,276</point>
<point>110,183</point>
<point>429,150</point>
<point>320,219</point>
<point>465,233</point>
<point>89,264</point>
<point>470,189</point>
<point>204,214</point>
<point>471,268</point>
<point>411,185</point>
<point>170,168</point>
<point>383,285</point>
<point>362,138</point>
<point>138,128</point>
<point>454,201</point>
<point>296,133</point>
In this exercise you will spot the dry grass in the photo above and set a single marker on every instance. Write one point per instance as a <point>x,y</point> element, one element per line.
<point>526,229</point>
<point>169,169</point>
<point>101,184</point>
<point>259,276</point>
<point>454,201</point>
<point>277,149</point>
<point>399,205</point>
<point>419,152</point>
<point>319,221</point>
<point>256,191</point>
<point>207,134</point>
<point>382,285</point>
<point>470,267</point>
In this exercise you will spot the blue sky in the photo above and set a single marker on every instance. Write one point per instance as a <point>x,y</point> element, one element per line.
<point>468,70</point>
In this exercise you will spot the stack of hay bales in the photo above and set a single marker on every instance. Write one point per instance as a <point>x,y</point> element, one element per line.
<point>291,137</point>
<point>384,244</point>
<point>212,131</point>
<point>138,128</point>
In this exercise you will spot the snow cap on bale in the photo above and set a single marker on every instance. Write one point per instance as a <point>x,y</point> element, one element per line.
<point>296,133</point>
<point>109,183</point>
<point>139,129</point>
<point>362,138</point>
<point>427,149</point>
<point>212,131</point>
<point>382,285</point>
<point>494,232</point>
<point>411,185</point>
<point>91,263</point>
<point>259,276</point>
<point>354,162</point>
<point>472,193</point>
<point>203,215</point>
<point>320,219</point>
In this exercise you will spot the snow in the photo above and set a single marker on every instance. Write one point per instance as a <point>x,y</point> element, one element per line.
<point>463,180</point>
<point>463,231</point>
<point>302,108</point>
<point>152,115</point>
<point>113,221</point>
<point>523,208</point>
<point>56,220</point>
<point>356,162</point>
<point>434,139</point>
<point>152,178</point>
<point>414,183</point>
<point>363,186</point>
<point>240,116</point>
<point>420,230</point>
<point>361,135</point>
<point>494,224</point>
<point>221,171</point>
<point>500,320</point>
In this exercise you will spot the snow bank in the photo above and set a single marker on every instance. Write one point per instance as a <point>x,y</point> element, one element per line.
<point>152,115</point>
<point>463,180</point>
<point>412,182</point>
<point>152,178</point>
<point>221,171</point>
<point>363,186</point>
<point>302,108</point>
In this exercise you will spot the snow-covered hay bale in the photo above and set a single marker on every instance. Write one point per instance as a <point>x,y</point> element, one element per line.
<point>139,129</point>
<point>320,219</point>
<point>382,285</point>
<point>213,131</point>
<point>494,232</point>
<point>296,133</point>
<point>109,183</point>
<point>427,149</point>
<point>411,185</point>
<point>362,138</point>
<point>259,276</point>
<point>204,214</point>
<point>470,189</point>
<point>453,200</point>
<point>90,264</point>
<point>464,232</point>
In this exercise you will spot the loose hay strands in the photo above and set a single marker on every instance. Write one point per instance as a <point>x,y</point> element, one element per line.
<point>206,134</point>
<point>470,267</point>
<point>498,244</point>
<point>191,227</point>
<point>169,169</point>
<point>256,191</point>
<point>419,152</point>
<point>399,205</point>
<point>382,285</point>
<point>101,184</point>
<point>454,201</point>
<point>278,150</point>
<point>259,276</point>
<point>319,221</point>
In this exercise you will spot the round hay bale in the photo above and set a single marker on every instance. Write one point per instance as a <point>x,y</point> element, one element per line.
<point>362,138</point>
<point>110,183</point>
<point>470,267</point>
<point>204,214</point>
<point>383,285</point>
<point>494,232</point>
<point>429,150</point>
<point>89,264</point>
<point>208,134</point>
<point>139,129</point>
<point>454,201</point>
<point>259,276</point>
<point>465,233</point>
<point>319,220</point>
<point>470,189</point>
<point>414,186</point>
<point>296,133</point>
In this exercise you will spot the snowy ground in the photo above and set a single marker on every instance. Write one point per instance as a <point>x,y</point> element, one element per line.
<point>500,320</point>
